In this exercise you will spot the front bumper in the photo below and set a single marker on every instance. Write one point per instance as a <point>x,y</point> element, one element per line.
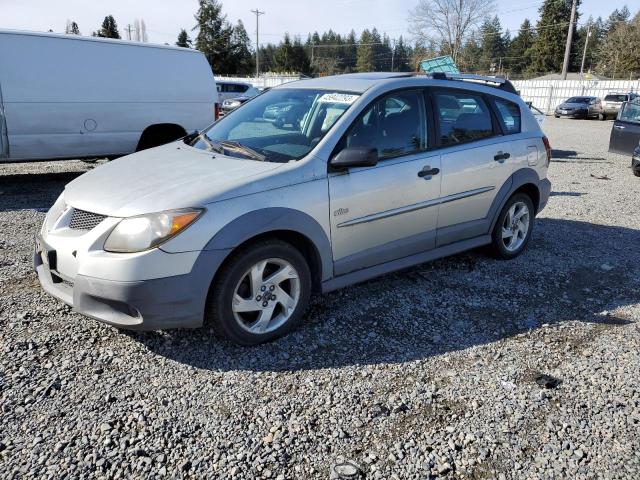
<point>156,304</point>
<point>572,114</point>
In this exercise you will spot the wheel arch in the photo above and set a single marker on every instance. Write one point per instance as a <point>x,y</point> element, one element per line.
<point>525,180</point>
<point>292,226</point>
<point>158,134</point>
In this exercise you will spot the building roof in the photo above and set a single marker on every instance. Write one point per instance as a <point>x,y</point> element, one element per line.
<point>570,76</point>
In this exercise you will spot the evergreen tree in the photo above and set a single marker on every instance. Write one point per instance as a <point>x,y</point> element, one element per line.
<point>350,52</point>
<point>214,36</point>
<point>72,28</point>
<point>596,29</point>
<point>109,28</point>
<point>241,50</point>
<point>493,46</point>
<point>470,57</point>
<point>284,55</point>
<point>547,51</point>
<point>183,39</point>
<point>519,48</point>
<point>618,54</point>
<point>402,56</point>
<point>617,16</point>
<point>365,54</point>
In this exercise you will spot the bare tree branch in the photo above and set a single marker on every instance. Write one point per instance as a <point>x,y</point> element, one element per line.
<point>448,23</point>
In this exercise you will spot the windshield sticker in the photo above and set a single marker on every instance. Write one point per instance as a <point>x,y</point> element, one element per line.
<point>343,98</point>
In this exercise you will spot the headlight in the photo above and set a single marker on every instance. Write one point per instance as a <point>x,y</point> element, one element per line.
<point>144,232</point>
<point>53,214</point>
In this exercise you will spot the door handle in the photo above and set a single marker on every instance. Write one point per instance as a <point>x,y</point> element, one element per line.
<point>619,127</point>
<point>501,157</point>
<point>427,172</point>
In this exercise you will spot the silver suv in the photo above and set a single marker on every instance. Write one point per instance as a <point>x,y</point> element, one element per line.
<point>238,225</point>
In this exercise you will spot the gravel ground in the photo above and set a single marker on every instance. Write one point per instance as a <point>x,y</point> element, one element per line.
<point>435,372</point>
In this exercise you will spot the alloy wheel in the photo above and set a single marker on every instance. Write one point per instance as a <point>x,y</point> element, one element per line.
<point>266,296</point>
<point>516,226</point>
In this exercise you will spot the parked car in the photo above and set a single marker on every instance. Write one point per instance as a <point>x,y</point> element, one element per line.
<point>66,96</point>
<point>230,90</point>
<point>230,105</point>
<point>625,133</point>
<point>580,107</point>
<point>613,102</point>
<point>239,224</point>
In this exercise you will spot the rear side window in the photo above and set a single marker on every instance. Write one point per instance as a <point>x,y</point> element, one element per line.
<point>463,117</point>
<point>509,115</point>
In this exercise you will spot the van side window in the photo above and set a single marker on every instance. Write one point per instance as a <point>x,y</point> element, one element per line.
<point>395,125</point>
<point>463,117</point>
<point>509,115</point>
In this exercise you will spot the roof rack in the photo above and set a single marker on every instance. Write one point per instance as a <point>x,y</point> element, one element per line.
<point>496,82</point>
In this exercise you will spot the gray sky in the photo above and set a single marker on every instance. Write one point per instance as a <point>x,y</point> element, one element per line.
<point>164,18</point>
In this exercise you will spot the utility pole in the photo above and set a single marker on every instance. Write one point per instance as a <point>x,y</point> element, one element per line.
<point>567,49</point>
<point>584,52</point>
<point>257,13</point>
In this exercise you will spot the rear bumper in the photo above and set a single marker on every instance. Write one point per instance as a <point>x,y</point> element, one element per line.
<point>544,187</point>
<point>163,303</point>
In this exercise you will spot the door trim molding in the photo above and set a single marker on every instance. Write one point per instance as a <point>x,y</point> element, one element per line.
<point>416,206</point>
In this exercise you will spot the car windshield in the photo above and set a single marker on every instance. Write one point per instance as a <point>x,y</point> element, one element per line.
<point>278,126</point>
<point>578,100</point>
<point>615,98</point>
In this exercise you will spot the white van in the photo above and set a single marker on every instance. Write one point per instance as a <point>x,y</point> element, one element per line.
<point>66,96</point>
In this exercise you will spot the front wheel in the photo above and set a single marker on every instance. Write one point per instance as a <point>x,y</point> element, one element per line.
<point>513,229</point>
<point>260,294</point>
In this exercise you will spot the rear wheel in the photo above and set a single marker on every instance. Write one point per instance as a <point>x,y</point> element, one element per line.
<point>260,294</point>
<point>636,173</point>
<point>513,228</point>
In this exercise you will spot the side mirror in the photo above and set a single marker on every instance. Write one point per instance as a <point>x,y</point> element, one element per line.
<point>355,157</point>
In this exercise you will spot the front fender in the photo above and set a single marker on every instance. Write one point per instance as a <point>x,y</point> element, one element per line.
<point>273,219</point>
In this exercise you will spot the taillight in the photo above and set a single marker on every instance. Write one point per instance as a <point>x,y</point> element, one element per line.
<point>216,111</point>
<point>547,147</point>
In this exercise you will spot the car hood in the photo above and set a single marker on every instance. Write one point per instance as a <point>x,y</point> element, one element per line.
<point>162,178</point>
<point>573,105</point>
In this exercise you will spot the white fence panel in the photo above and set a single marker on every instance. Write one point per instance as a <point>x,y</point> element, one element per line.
<point>263,81</point>
<point>547,94</point>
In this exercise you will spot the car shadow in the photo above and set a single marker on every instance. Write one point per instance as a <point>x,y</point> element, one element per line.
<point>572,156</point>
<point>450,304</point>
<point>37,191</point>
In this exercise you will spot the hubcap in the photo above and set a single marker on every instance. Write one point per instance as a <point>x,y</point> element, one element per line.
<point>516,226</point>
<point>266,296</point>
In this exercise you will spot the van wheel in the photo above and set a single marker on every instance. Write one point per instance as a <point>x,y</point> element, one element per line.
<point>260,294</point>
<point>513,228</point>
<point>602,117</point>
<point>157,135</point>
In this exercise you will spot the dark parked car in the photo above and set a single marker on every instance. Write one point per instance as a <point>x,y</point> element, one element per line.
<point>580,107</point>
<point>625,134</point>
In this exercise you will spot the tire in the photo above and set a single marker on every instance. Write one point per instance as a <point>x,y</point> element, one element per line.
<point>507,248</point>
<point>279,123</point>
<point>233,307</point>
<point>636,173</point>
<point>602,117</point>
<point>557,116</point>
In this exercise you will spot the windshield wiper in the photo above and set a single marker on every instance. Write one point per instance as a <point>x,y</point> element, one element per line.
<point>238,147</point>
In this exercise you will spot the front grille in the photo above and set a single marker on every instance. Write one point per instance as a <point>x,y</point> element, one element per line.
<point>81,220</point>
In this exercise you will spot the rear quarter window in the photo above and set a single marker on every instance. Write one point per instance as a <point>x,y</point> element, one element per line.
<point>509,115</point>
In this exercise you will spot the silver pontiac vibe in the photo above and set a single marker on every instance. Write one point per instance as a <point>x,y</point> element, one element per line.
<point>309,187</point>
